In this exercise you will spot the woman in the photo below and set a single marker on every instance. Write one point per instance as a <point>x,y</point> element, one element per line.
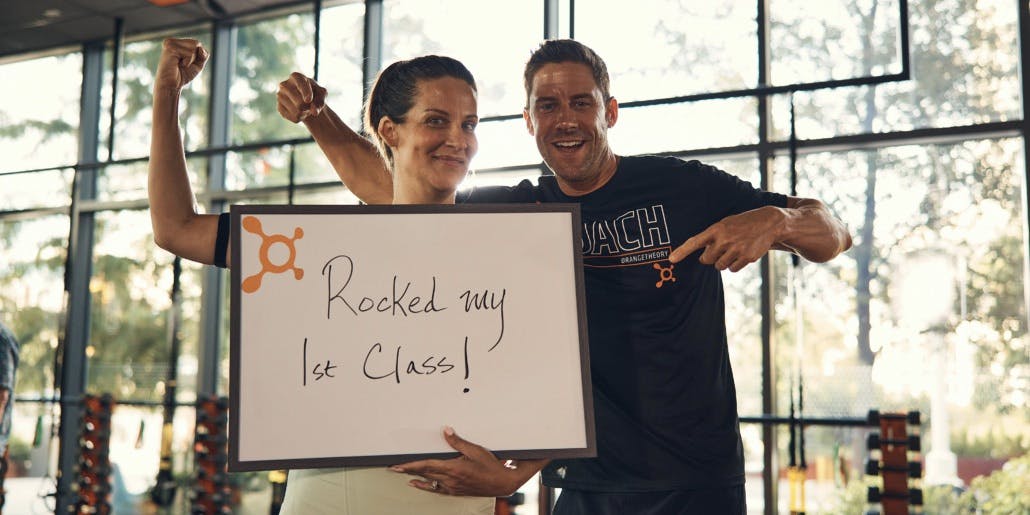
<point>422,114</point>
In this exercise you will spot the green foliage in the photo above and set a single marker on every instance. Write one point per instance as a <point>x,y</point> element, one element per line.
<point>947,500</point>
<point>266,53</point>
<point>965,197</point>
<point>852,498</point>
<point>18,450</point>
<point>128,332</point>
<point>990,445</point>
<point>1005,491</point>
<point>128,329</point>
<point>47,128</point>
<point>31,327</point>
<point>937,500</point>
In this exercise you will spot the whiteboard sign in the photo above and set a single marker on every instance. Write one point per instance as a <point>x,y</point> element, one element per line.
<point>359,332</point>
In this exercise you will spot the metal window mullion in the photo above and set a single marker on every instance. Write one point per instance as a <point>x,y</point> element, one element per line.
<point>372,47</point>
<point>317,7</point>
<point>223,46</point>
<point>74,374</point>
<point>1024,75</point>
<point>551,28</point>
<point>572,19</point>
<point>765,157</point>
<point>555,12</point>
<point>116,64</point>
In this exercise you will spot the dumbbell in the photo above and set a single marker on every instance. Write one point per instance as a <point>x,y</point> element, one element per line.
<point>914,469</point>
<point>873,418</point>
<point>873,442</point>
<point>914,495</point>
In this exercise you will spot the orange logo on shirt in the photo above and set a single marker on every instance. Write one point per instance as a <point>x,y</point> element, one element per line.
<point>253,225</point>
<point>664,274</point>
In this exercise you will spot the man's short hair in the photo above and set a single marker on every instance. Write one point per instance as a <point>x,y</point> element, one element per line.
<point>566,51</point>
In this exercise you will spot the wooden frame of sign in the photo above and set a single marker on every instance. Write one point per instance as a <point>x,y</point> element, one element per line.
<point>359,332</point>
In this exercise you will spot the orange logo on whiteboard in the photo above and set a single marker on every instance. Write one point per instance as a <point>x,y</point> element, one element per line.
<point>253,225</point>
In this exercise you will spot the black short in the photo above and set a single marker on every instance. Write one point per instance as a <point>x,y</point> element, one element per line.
<point>715,501</point>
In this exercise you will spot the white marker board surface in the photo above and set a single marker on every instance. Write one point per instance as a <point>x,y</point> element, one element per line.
<point>359,332</point>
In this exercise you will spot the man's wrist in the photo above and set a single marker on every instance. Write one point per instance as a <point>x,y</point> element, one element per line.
<point>166,91</point>
<point>317,120</point>
<point>782,223</point>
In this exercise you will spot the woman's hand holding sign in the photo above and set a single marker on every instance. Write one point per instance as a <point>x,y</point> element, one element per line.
<point>477,472</point>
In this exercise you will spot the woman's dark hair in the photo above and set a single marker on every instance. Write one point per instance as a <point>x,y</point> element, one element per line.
<point>566,51</point>
<point>394,90</point>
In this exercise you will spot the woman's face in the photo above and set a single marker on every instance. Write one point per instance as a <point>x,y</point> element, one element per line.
<point>432,149</point>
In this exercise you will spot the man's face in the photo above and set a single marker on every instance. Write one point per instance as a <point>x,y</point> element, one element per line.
<point>569,118</point>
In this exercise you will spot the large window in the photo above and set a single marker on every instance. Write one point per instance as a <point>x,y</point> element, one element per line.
<point>32,254</point>
<point>493,53</point>
<point>134,88</point>
<point>267,51</point>
<point>834,39</point>
<point>965,67</point>
<point>671,48</point>
<point>34,133</point>
<point>340,60</point>
<point>130,340</point>
<point>664,128</point>
<point>33,248</point>
<point>935,277</point>
<point>450,28</point>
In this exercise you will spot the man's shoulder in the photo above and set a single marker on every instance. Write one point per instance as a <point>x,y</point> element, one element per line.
<point>7,338</point>
<point>524,191</point>
<point>668,171</point>
<point>653,163</point>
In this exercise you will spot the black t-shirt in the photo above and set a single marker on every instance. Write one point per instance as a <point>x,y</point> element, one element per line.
<point>664,399</point>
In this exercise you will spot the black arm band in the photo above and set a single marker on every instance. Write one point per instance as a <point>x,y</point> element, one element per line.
<point>222,240</point>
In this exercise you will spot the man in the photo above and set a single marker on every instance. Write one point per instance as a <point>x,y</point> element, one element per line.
<point>8,367</point>
<point>668,436</point>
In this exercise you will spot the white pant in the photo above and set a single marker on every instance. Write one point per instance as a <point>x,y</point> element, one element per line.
<point>370,491</point>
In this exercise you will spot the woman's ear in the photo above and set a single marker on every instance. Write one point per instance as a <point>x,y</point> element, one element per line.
<point>388,131</point>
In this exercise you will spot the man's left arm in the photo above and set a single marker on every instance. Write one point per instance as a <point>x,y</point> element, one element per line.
<point>8,364</point>
<point>805,227</point>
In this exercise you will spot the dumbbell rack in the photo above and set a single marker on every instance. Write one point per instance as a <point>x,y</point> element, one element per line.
<point>211,491</point>
<point>893,443</point>
<point>93,485</point>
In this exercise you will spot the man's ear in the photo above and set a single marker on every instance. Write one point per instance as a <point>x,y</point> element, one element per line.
<point>388,131</point>
<point>611,112</point>
<point>529,122</point>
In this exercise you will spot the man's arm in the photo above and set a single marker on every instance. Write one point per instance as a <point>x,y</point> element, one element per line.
<point>8,367</point>
<point>805,227</point>
<point>812,232</point>
<point>477,472</point>
<point>178,228</point>
<point>5,396</point>
<point>356,159</point>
